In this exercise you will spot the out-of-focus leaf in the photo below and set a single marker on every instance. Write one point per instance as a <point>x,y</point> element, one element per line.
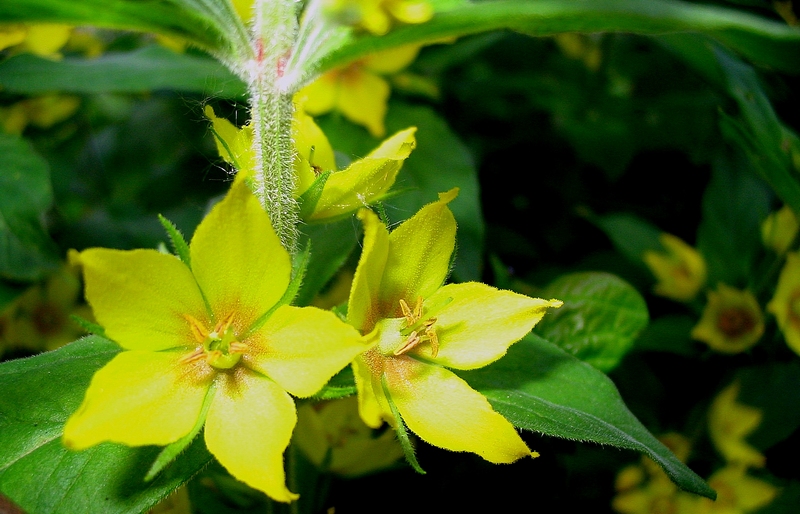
<point>600,319</point>
<point>212,25</point>
<point>669,334</point>
<point>772,388</point>
<point>331,244</point>
<point>631,235</point>
<point>539,387</point>
<point>734,205</point>
<point>757,39</point>
<point>145,69</point>
<point>26,250</point>
<point>39,394</point>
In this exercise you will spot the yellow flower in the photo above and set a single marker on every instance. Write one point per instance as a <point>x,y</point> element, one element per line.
<point>362,183</point>
<point>43,112</point>
<point>785,305</point>
<point>213,335</point>
<point>731,322</point>
<point>420,329</point>
<point>680,271</point>
<point>729,424</point>
<point>737,493</point>
<point>333,436</point>
<point>42,39</point>
<point>358,90</point>
<point>376,16</point>
<point>779,230</point>
<point>39,319</point>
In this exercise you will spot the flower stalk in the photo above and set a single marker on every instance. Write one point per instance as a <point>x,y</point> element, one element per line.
<point>274,30</point>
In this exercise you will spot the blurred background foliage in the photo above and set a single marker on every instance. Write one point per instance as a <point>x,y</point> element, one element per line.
<point>573,152</point>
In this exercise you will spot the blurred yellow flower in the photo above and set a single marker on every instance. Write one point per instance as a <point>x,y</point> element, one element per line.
<point>729,424</point>
<point>39,320</point>
<point>42,39</point>
<point>176,503</point>
<point>732,320</point>
<point>737,493</point>
<point>645,488</point>
<point>376,16</point>
<point>358,90</point>
<point>332,435</point>
<point>42,112</point>
<point>680,270</point>
<point>779,230</point>
<point>785,305</point>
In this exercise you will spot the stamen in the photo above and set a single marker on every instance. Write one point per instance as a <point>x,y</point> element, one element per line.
<point>237,347</point>
<point>191,357</point>
<point>413,340</point>
<point>198,330</point>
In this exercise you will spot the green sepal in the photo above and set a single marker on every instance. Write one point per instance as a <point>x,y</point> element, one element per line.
<point>310,198</point>
<point>172,450</point>
<point>402,431</point>
<point>179,244</point>
<point>92,328</point>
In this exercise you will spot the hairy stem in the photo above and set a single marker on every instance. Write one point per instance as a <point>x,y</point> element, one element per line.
<point>274,32</point>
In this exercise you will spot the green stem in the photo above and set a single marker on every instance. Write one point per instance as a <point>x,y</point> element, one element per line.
<point>274,33</point>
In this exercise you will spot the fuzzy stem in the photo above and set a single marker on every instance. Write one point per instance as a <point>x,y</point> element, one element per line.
<point>274,33</point>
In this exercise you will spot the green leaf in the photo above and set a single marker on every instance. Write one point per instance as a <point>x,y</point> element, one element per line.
<point>763,41</point>
<point>631,235</point>
<point>39,474</point>
<point>332,244</point>
<point>539,387</point>
<point>145,69</point>
<point>26,250</point>
<point>212,25</point>
<point>601,317</point>
<point>734,205</point>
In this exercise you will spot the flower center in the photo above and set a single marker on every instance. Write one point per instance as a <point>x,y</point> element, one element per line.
<point>417,330</point>
<point>220,347</point>
<point>735,322</point>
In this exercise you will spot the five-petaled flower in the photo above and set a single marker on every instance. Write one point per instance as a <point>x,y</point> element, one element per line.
<point>679,269</point>
<point>212,336</point>
<point>732,320</point>
<point>420,328</point>
<point>785,305</point>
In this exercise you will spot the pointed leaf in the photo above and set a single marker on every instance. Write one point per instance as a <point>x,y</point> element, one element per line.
<point>39,394</point>
<point>144,69</point>
<point>539,387</point>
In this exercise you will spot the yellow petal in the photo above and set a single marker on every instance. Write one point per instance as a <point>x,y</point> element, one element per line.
<point>419,254</point>
<point>446,412</point>
<point>366,180</point>
<point>362,99</point>
<point>368,406</point>
<point>320,96</point>
<point>363,311</point>
<point>729,424</point>
<point>248,427</point>
<point>235,145</point>
<point>12,34</point>
<point>238,260</point>
<point>46,39</point>
<point>392,60</point>
<point>301,348</point>
<point>785,305</point>
<point>410,11</point>
<point>140,297</point>
<point>313,149</point>
<point>139,398</point>
<point>480,322</point>
<point>680,269</point>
